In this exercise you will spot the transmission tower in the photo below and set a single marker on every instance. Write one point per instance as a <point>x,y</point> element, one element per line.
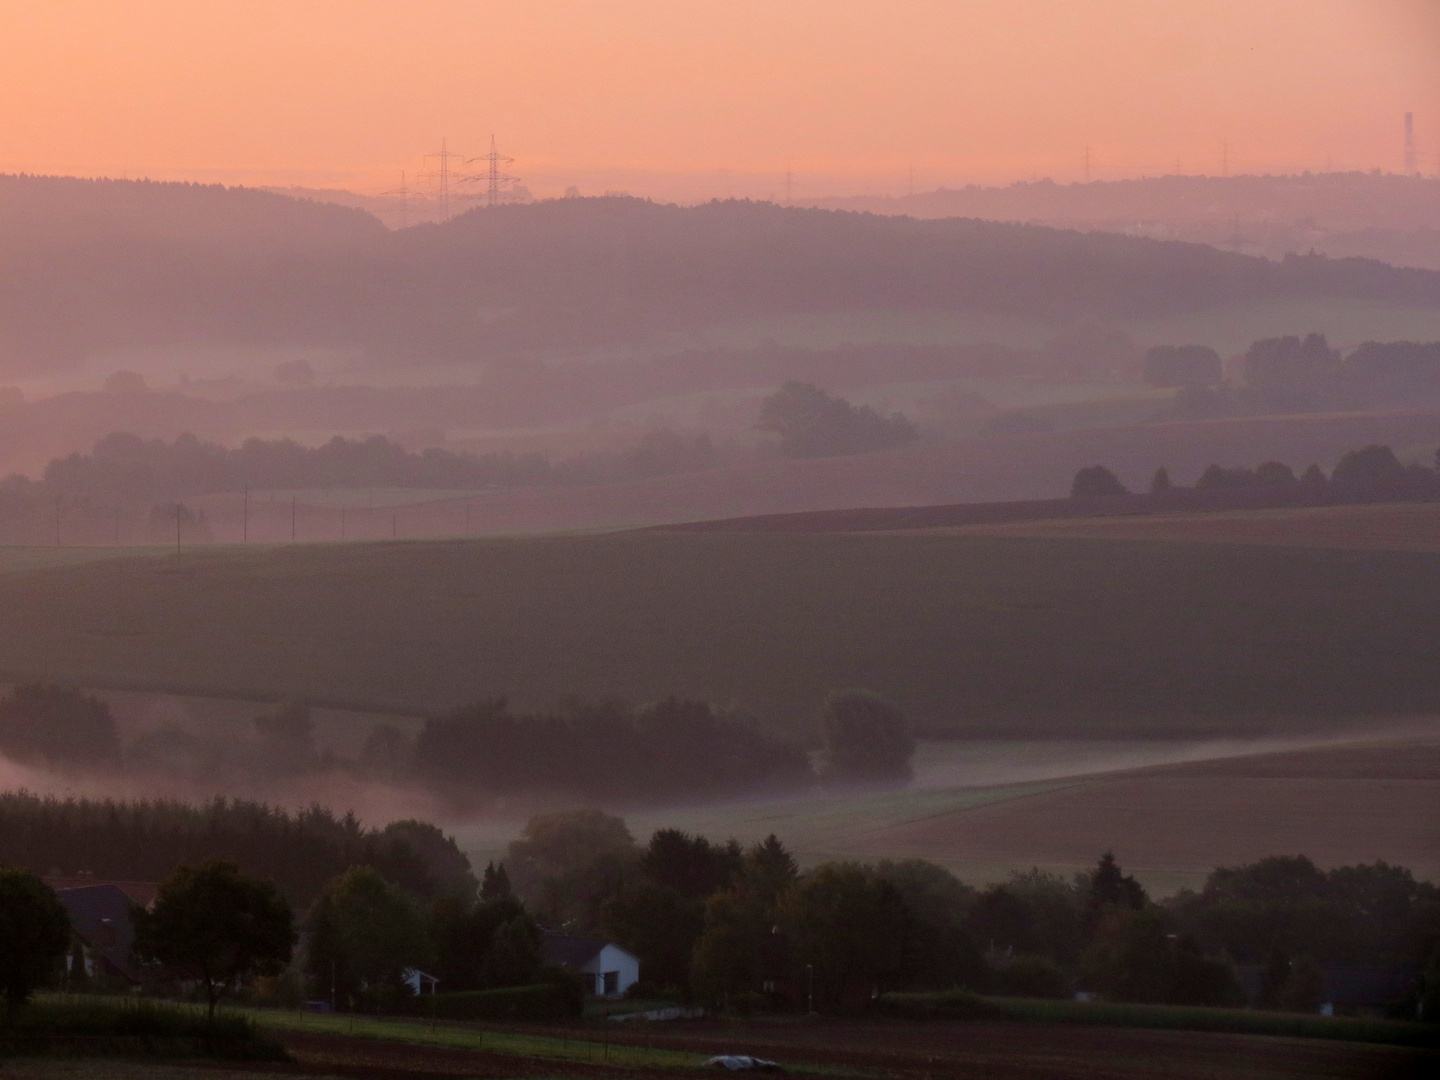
<point>403,191</point>
<point>494,176</point>
<point>444,157</point>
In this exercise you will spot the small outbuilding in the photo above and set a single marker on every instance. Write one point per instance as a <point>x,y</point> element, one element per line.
<point>608,969</point>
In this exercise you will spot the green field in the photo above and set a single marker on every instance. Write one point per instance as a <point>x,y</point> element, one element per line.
<point>976,635</point>
<point>593,1047</point>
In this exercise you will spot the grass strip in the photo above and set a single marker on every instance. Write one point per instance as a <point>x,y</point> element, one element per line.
<point>470,1036</point>
<point>1234,1021</point>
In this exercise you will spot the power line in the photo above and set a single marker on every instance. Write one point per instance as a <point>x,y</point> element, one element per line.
<point>444,156</point>
<point>494,177</point>
<point>404,192</point>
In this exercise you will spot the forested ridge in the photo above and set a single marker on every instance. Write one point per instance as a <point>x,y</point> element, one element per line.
<point>254,267</point>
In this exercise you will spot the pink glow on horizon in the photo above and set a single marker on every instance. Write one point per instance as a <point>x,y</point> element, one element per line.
<point>713,98</point>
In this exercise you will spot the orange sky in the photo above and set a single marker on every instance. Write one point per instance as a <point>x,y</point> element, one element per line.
<point>691,98</point>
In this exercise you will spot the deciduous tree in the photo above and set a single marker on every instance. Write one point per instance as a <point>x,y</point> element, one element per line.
<point>34,933</point>
<point>214,924</point>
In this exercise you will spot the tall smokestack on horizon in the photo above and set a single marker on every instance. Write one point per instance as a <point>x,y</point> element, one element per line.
<point>1409,144</point>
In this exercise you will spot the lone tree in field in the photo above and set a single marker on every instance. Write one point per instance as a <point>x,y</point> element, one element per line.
<point>1095,482</point>
<point>866,738</point>
<point>216,925</point>
<point>34,934</point>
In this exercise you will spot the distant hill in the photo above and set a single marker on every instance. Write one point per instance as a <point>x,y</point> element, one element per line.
<point>1383,216</point>
<point>92,265</point>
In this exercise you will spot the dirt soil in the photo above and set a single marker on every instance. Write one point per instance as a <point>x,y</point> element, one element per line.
<point>898,1050</point>
<point>917,1052</point>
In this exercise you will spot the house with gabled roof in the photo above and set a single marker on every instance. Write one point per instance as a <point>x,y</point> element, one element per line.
<point>608,969</point>
<point>104,932</point>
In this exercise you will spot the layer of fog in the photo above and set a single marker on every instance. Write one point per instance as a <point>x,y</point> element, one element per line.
<point>993,763</point>
<point>222,732</point>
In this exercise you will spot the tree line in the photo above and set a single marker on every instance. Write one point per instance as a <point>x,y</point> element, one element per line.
<point>743,928</point>
<point>128,470</point>
<point>1370,471</point>
<point>664,753</point>
<point>144,840</point>
<point>1295,374</point>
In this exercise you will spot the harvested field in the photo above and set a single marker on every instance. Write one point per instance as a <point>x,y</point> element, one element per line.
<point>1000,1051</point>
<point>1008,636</point>
<point>1170,823</point>
<point>1389,526</point>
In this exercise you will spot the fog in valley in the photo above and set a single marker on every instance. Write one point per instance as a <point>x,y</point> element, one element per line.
<point>620,538</point>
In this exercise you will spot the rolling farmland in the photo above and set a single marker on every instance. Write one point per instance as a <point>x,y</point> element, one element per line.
<point>974,635</point>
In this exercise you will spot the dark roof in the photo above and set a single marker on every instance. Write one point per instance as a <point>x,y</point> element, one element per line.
<point>100,917</point>
<point>142,892</point>
<point>567,950</point>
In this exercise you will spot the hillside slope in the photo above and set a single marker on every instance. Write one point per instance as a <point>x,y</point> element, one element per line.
<point>126,264</point>
<point>1012,636</point>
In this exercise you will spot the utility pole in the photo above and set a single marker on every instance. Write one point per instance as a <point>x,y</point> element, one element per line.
<point>293,499</point>
<point>1225,157</point>
<point>245,517</point>
<point>179,509</point>
<point>1410,165</point>
<point>117,526</point>
<point>789,187</point>
<point>1087,163</point>
<point>394,526</point>
<point>342,523</point>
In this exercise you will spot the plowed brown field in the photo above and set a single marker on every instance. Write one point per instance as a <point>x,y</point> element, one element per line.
<point>999,1051</point>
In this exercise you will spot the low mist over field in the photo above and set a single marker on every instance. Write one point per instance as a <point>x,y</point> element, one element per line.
<point>623,538</point>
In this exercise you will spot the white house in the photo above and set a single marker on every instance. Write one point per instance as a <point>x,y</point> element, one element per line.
<point>609,969</point>
<point>418,981</point>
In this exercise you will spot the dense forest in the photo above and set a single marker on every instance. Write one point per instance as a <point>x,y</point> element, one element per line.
<point>146,840</point>
<point>242,266</point>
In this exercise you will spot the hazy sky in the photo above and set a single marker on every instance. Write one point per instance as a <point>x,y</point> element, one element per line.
<point>701,97</point>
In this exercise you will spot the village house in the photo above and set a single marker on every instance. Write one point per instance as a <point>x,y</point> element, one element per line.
<point>608,969</point>
<point>103,931</point>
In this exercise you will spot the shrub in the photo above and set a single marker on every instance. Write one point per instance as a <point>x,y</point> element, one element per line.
<point>939,1005</point>
<point>1030,977</point>
<point>542,1001</point>
<point>112,1026</point>
<point>1095,482</point>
